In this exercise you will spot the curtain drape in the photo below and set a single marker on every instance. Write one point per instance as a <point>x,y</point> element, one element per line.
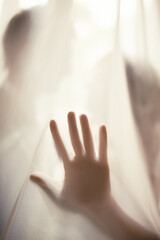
<point>98,57</point>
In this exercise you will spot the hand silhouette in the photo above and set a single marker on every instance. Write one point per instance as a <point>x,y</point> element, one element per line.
<point>86,178</point>
<point>87,183</point>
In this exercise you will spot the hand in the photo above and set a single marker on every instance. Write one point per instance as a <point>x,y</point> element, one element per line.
<point>87,183</point>
<point>86,180</point>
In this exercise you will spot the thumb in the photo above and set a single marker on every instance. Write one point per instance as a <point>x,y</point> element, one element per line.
<point>47,183</point>
<point>42,179</point>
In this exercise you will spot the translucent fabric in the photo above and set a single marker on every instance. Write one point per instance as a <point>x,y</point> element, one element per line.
<point>98,57</point>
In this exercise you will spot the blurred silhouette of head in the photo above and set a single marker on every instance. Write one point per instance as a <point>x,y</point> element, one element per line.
<point>15,40</point>
<point>144,90</point>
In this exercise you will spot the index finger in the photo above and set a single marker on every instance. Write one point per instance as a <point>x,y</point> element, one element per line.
<point>58,142</point>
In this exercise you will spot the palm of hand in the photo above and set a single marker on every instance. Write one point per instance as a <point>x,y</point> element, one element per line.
<point>86,181</point>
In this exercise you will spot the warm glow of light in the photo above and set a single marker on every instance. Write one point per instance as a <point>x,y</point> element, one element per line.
<point>1,2</point>
<point>24,4</point>
<point>103,11</point>
<point>83,29</point>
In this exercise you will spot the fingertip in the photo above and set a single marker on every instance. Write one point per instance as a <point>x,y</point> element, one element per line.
<point>71,114</point>
<point>103,129</point>
<point>83,118</point>
<point>83,115</point>
<point>38,180</point>
<point>32,177</point>
<point>52,124</point>
<point>83,121</point>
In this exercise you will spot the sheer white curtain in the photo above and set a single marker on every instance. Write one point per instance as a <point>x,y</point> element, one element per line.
<point>98,57</point>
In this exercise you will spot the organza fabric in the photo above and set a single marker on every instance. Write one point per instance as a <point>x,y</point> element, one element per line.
<point>96,57</point>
